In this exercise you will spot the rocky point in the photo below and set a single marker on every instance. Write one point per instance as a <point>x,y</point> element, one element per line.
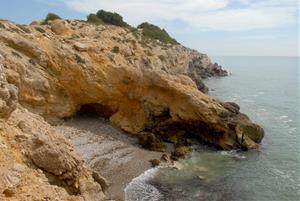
<point>151,90</point>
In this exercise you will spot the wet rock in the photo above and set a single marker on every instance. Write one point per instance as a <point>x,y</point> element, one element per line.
<point>182,151</point>
<point>165,158</point>
<point>151,142</point>
<point>154,162</point>
<point>232,107</point>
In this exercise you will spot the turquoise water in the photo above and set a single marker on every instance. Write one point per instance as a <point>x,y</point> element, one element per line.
<point>267,89</point>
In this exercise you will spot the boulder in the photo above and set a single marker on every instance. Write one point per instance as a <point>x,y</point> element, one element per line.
<point>154,162</point>
<point>60,27</point>
<point>182,152</point>
<point>151,142</point>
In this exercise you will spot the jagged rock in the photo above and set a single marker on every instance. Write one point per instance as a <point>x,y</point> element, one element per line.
<point>232,107</point>
<point>42,163</point>
<point>165,158</point>
<point>154,162</point>
<point>151,142</point>
<point>182,152</point>
<point>201,68</point>
<point>104,183</point>
<point>80,47</point>
<point>152,92</point>
<point>139,97</point>
<point>60,27</point>
<point>8,94</point>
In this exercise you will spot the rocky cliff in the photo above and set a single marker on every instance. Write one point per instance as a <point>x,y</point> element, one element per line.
<point>56,70</point>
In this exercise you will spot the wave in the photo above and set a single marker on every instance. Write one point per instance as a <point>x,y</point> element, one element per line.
<point>140,190</point>
<point>283,117</point>
<point>233,154</point>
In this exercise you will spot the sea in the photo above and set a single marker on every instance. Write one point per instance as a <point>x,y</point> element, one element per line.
<point>267,90</point>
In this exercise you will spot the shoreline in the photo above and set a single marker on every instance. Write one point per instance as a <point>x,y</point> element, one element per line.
<point>108,151</point>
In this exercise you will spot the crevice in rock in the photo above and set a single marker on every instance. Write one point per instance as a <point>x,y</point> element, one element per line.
<point>94,110</point>
<point>56,181</point>
<point>164,129</point>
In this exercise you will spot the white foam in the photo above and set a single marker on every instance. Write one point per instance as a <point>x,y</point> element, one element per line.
<point>139,190</point>
<point>281,173</point>
<point>283,117</point>
<point>253,95</point>
<point>247,100</point>
<point>287,121</point>
<point>233,154</point>
<point>292,130</point>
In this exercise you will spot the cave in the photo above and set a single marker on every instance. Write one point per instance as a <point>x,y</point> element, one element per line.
<point>94,110</point>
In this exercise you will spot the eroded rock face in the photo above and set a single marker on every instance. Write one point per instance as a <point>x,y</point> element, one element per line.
<point>38,163</point>
<point>148,90</point>
<point>201,67</point>
<point>143,88</point>
<point>8,94</point>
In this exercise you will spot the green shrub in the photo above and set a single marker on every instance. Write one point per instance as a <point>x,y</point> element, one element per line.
<point>111,18</point>
<point>156,33</point>
<point>115,49</point>
<point>92,18</point>
<point>50,17</point>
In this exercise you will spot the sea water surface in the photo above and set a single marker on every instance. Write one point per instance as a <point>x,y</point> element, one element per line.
<point>267,90</point>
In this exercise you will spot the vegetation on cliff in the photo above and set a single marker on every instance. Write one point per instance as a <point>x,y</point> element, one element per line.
<point>150,32</point>
<point>94,19</point>
<point>62,67</point>
<point>154,32</point>
<point>50,17</point>
<point>111,18</point>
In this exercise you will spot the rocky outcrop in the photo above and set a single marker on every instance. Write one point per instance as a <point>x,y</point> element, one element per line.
<point>8,94</point>
<point>201,68</point>
<point>151,90</point>
<point>143,87</point>
<point>37,163</point>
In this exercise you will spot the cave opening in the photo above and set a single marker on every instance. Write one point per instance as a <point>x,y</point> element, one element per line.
<point>94,110</point>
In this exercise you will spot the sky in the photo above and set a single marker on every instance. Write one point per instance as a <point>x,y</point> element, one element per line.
<point>214,27</point>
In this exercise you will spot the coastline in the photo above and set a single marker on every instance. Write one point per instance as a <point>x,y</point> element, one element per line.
<point>108,151</point>
<point>151,97</point>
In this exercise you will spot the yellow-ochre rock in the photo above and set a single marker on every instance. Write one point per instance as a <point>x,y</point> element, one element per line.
<point>141,88</point>
<point>58,74</point>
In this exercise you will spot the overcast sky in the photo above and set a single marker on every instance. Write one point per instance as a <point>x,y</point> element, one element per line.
<point>215,27</point>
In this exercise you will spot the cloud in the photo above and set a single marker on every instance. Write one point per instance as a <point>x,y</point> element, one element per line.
<point>219,15</point>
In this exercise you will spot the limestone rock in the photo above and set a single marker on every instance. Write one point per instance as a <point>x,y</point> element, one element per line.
<point>8,94</point>
<point>152,91</point>
<point>154,162</point>
<point>42,163</point>
<point>60,27</point>
<point>151,142</point>
<point>182,152</point>
<point>139,96</point>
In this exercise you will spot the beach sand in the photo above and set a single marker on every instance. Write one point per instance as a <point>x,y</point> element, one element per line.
<point>108,151</point>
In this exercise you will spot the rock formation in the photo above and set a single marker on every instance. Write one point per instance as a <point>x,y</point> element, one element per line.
<point>65,67</point>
